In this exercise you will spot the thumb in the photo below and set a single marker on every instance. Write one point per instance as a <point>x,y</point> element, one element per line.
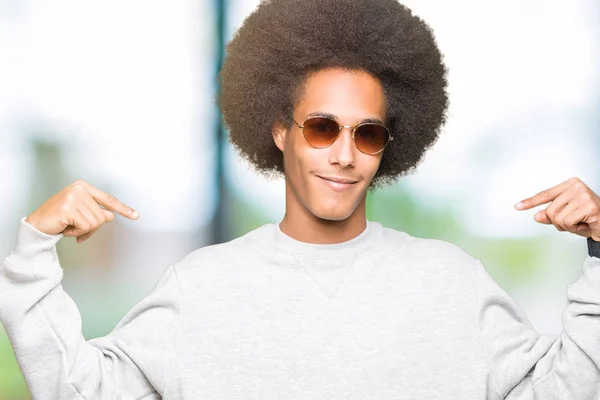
<point>109,215</point>
<point>541,217</point>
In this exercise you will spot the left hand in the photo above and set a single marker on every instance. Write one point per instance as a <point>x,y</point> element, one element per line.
<point>574,207</point>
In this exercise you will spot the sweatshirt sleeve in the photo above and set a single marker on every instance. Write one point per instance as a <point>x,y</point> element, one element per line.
<point>44,326</point>
<point>524,365</point>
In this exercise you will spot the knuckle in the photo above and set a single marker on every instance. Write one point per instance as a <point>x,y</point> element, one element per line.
<point>66,207</point>
<point>85,225</point>
<point>70,197</point>
<point>77,184</point>
<point>579,185</point>
<point>588,197</point>
<point>75,192</point>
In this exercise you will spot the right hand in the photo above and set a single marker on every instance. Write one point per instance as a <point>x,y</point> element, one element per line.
<point>76,211</point>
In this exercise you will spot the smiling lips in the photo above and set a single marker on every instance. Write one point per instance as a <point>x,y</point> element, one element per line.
<point>337,183</point>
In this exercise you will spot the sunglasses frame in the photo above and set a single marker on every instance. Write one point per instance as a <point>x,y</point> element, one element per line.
<point>353,130</point>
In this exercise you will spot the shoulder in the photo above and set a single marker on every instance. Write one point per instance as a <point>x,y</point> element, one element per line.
<point>428,251</point>
<point>442,267</point>
<point>236,252</point>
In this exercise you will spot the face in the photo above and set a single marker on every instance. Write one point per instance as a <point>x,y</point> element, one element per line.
<point>350,97</point>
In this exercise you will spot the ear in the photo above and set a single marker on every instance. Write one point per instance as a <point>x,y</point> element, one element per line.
<point>279,134</point>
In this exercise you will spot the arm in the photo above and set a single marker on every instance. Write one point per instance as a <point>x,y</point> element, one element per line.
<point>44,326</point>
<point>525,365</point>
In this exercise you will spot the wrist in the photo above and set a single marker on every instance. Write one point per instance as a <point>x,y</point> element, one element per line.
<point>593,247</point>
<point>34,222</point>
<point>30,221</point>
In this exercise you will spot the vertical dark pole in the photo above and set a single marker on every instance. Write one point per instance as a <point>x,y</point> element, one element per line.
<point>220,223</point>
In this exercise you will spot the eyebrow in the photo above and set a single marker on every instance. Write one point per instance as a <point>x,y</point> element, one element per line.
<point>328,115</point>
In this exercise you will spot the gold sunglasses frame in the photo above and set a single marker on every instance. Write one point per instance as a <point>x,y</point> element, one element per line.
<point>353,130</point>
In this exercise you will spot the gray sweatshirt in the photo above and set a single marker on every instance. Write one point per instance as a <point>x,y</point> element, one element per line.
<point>382,316</point>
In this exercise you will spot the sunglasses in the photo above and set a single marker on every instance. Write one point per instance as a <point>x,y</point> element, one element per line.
<point>369,137</point>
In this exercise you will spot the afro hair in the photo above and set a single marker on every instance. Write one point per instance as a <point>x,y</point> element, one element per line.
<point>283,42</point>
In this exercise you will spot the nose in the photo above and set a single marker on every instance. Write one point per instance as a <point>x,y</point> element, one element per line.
<point>343,150</point>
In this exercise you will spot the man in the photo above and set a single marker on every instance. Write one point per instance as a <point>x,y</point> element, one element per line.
<point>340,96</point>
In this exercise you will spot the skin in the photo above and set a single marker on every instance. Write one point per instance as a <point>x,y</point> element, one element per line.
<point>573,207</point>
<point>314,212</point>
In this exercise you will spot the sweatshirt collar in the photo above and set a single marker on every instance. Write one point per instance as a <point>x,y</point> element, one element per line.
<point>365,240</point>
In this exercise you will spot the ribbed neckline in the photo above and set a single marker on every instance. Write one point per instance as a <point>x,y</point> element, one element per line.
<point>367,238</point>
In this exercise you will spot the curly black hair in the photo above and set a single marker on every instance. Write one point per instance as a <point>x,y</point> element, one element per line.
<point>282,42</point>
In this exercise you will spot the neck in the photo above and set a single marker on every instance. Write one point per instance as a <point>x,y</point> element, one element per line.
<point>300,224</point>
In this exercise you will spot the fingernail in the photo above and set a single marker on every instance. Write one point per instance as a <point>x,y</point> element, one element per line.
<point>135,214</point>
<point>519,205</point>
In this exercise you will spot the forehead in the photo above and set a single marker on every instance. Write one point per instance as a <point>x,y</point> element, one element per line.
<point>350,96</point>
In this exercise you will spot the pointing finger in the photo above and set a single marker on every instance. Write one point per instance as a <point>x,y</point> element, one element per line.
<point>545,196</point>
<point>110,202</point>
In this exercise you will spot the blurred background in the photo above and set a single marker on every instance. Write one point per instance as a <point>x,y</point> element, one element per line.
<point>121,94</point>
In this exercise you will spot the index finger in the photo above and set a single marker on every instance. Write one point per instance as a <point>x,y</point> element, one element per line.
<point>110,202</point>
<point>544,196</point>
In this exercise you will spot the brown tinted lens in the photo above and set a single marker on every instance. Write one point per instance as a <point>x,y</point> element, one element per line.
<point>321,132</point>
<point>371,138</point>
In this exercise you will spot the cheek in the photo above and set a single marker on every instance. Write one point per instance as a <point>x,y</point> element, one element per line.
<point>367,166</point>
<point>294,159</point>
<point>308,163</point>
<point>374,164</point>
<point>300,163</point>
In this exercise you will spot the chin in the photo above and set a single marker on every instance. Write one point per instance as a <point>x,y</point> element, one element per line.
<point>332,218</point>
<point>333,214</point>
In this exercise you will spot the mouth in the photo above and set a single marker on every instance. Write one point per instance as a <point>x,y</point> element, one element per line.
<point>337,185</point>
